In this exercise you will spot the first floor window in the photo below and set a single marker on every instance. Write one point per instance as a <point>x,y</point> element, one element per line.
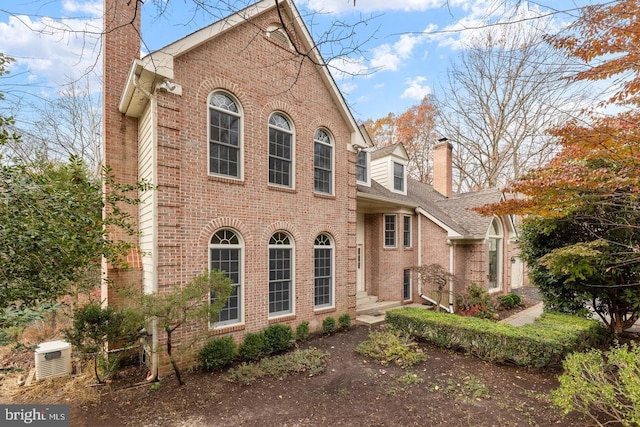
<point>323,272</point>
<point>407,232</point>
<point>280,274</point>
<point>225,255</point>
<point>406,286</point>
<point>495,241</point>
<point>390,231</point>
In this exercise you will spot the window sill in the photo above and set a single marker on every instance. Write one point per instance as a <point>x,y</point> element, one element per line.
<point>324,310</point>
<point>226,180</point>
<point>325,196</point>
<point>283,189</point>
<point>221,330</point>
<point>282,318</point>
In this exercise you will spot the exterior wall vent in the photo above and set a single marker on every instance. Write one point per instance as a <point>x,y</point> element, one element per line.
<point>53,359</point>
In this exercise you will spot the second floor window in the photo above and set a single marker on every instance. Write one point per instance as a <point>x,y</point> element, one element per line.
<point>224,136</point>
<point>280,151</point>
<point>322,162</point>
<point>398,177</point>
<point>361,166</point>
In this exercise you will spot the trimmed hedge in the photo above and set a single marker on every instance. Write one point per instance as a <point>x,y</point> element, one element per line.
<point>544,343</point>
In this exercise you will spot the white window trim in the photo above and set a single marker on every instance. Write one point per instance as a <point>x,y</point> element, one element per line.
<point>331,145</point>
<point>240,246</point>
<point>404,230</point>
<point>293,151</point>
<point>292,293</point>
<point>500,262</point>
<point>368,168</point>
<point>384,230</point>
<point>240,114</point>
<point>392,186</point>
<point>333,275</point>
<point>410,285</point>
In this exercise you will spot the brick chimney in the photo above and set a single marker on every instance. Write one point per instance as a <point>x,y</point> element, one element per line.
<point>121,45</point>
<point>443,169</point>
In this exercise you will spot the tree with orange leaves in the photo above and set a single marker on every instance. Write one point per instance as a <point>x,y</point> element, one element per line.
<point>581,234</point>
<point>415,129</point>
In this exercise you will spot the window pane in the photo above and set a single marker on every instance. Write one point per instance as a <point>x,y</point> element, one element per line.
<point>390,230</point>
<point>361,166</point>
<point>323,277</point>
<point>280,272</point>
<point>398,177</point>
<point>224,142</point>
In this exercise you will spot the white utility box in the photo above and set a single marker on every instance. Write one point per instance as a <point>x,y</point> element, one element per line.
<point>53,359</point>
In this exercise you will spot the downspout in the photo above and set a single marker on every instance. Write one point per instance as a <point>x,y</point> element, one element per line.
<point>153,372</point>
<point>423,296</point>
<point>451,271</point>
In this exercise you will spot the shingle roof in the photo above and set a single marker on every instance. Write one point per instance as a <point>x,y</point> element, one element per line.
<point>454,213</point>
<point>384,151</point>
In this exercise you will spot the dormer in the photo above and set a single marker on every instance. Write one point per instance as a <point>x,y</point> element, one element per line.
<point>389,168</point>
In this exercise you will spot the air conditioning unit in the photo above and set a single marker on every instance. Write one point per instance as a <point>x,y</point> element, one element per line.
<point>53,359</point>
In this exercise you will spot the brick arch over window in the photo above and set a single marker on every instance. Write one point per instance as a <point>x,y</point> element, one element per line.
<point>215,224</point>
<point>281,226</point>
<point>278,106</point>
<point>329,229</point>
<point>209,86</point>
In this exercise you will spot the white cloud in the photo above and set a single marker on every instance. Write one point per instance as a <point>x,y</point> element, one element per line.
<point>93,8</point>
<point>342,68</point>
<point>388,57</point>
<point>347,88</point>
<point>416,90</point>
<point>340,6</point>
<point>52,51</point>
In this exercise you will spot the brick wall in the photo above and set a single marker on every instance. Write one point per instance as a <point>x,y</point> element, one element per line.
<point>121,45</point>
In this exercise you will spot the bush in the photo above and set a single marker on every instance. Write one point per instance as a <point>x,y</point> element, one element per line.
<point>543,343</point>
<point>310,361</point>
<point>509,301</point>
<point>391,346</point>
<point>218,353</point>
<point>474,302</point>
<point>599,384</point>
<point>344,321</point>
<point>252,347</point>
<point>302,331</point>
<point>329,325</point>
<point>278,338</point>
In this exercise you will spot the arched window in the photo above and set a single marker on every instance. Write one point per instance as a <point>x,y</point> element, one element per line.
<point>280,151</point>
<point>225,145</point>
<point>323,272</point>
<point>225,254</point>
<point>495,255</point>
<point>322,162</point>
<point>280,274</point>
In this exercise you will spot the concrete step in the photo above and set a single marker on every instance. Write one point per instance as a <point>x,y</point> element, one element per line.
<point>376,307</point>
<point>375,315</point>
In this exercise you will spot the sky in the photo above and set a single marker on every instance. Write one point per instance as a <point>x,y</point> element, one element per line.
<point>406,46</point>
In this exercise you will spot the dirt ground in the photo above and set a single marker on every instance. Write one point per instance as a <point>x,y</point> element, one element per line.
<point>448,388</point>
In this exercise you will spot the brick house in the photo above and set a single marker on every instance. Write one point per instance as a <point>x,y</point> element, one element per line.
<point>403,223</point>
<point>260,170</point>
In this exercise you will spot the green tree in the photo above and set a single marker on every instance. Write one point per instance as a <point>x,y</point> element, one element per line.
<point>6,123</point>
<point>174,308</point>
<point>94,326</point>
<point>52,232</point>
